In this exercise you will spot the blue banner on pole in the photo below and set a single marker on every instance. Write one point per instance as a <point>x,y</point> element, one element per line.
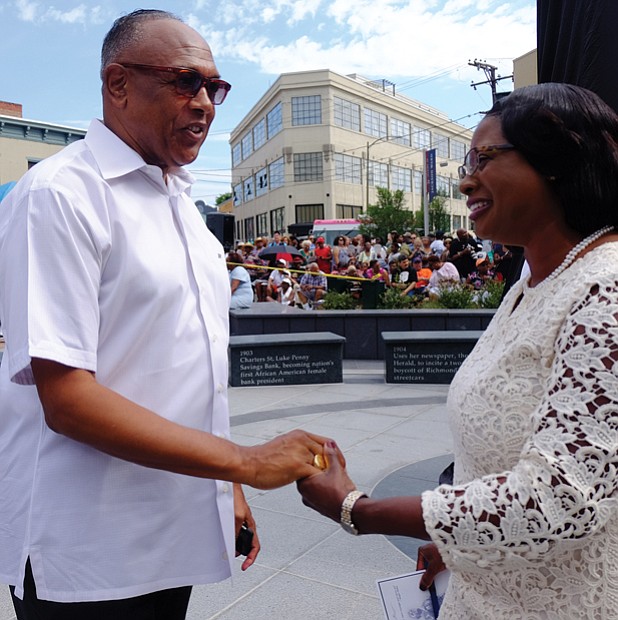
<point>430,166</point>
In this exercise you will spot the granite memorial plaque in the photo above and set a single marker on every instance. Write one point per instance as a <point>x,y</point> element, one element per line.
<point>426,357</point>
<point>286,359</point>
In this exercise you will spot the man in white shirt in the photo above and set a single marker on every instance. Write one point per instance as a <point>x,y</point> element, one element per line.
<point>114,302</point>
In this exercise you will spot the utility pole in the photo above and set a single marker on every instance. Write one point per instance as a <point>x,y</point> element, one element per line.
<point>490,73</point>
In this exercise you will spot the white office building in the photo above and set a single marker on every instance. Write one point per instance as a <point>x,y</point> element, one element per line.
<point>317,144</point>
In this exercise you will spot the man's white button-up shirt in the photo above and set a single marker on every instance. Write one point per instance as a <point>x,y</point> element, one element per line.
<point>104,266</point>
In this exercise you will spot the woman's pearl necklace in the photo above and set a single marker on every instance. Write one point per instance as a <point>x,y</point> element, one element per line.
<point>569,259</point>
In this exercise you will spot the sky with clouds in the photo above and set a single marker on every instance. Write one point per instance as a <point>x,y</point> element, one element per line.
<point>50,54</point>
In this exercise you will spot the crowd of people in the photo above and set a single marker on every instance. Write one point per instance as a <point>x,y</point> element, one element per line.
<point>280,269</point>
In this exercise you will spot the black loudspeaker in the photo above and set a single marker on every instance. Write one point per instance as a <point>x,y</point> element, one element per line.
<point>222,226</point>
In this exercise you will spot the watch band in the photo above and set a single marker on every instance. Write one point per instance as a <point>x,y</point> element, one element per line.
<point>346,511</point>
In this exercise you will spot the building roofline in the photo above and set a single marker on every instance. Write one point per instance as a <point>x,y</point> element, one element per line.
<point>26,122</point>
<point>355,79</point>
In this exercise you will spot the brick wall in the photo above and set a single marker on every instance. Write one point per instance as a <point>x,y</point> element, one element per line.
<point>11,109</point>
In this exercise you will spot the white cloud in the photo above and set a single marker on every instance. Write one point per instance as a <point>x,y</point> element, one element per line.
<point>374,37</point>
<point>27,11</point>
<point>302,9</point>
<point>75,15</point>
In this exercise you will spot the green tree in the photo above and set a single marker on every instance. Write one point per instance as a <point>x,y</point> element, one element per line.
<point>439,219</point>
<point>387,215</point>
<point>222,198</point>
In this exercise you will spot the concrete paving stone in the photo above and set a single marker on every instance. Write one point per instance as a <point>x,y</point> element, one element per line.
<point>208,600</point>
<point>291,597</point>
<point>368,421</point>
<point>343,561</point>
<point>6,607</point>
<point>286,500</point>
<point>424,427</point>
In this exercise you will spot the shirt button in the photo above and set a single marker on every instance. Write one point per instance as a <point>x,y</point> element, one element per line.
<point>225,488</point>
<point>214,338</point>
<point>224,555</point>
<point>220,388</point>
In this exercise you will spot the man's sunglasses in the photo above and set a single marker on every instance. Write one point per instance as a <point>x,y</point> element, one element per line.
<point>188,82</point>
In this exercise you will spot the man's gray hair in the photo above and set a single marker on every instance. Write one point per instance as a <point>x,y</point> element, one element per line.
<point>126,31</point>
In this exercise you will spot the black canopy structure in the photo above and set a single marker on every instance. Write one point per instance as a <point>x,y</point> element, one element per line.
<point>577,43</point>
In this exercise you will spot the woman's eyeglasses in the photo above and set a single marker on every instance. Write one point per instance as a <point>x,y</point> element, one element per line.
<point>478,156</point>
<point>188,82</point>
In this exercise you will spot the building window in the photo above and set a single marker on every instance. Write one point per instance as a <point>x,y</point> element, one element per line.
<point>308,167</point>
<point>422,138</point>
<point>443,185</point>
<point>259,134</point>
<point>236,154</point>
<point>262,225</point>
<point>308,213</point>
<point>249,229</point>
<point>276,172</point>
<point>401,178</point>
<point>347,168</point>
<point>277,219</point>
<point>348,211</point>
<point>307,110</point>
<point>440,143</point>
<point>418,182</point>
<point>378,174</point>
<point>457,222</point>
<point>458,150</point>
<point>347,114</point>
<point>248,189</point>
<point>261,182</point>
<point>375,123</point>
<point>401,132</point>
<point>455,189</point>
<point>274,121</point>
<point>247,145</point>
<point>237,193</point>
<point>238,229</point>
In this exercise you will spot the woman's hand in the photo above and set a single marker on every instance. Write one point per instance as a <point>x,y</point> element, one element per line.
<point>430,560</point>
<point>325,490</point>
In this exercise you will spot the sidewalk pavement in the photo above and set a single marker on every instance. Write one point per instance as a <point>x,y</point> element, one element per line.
<point>396,441</point>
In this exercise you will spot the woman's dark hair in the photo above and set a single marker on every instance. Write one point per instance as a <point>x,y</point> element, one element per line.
<point>126,31</point>
<point>570,136</point>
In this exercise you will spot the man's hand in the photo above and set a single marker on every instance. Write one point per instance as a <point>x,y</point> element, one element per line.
<point>242,514</point>
<point>284,459</point>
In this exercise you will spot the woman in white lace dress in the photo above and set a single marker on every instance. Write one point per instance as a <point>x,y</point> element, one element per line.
<point>529,528</point>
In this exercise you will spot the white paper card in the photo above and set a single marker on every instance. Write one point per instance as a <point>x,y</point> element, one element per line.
<point>402,599</point>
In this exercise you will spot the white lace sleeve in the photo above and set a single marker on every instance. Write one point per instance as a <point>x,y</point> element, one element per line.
<point>563,486</point>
